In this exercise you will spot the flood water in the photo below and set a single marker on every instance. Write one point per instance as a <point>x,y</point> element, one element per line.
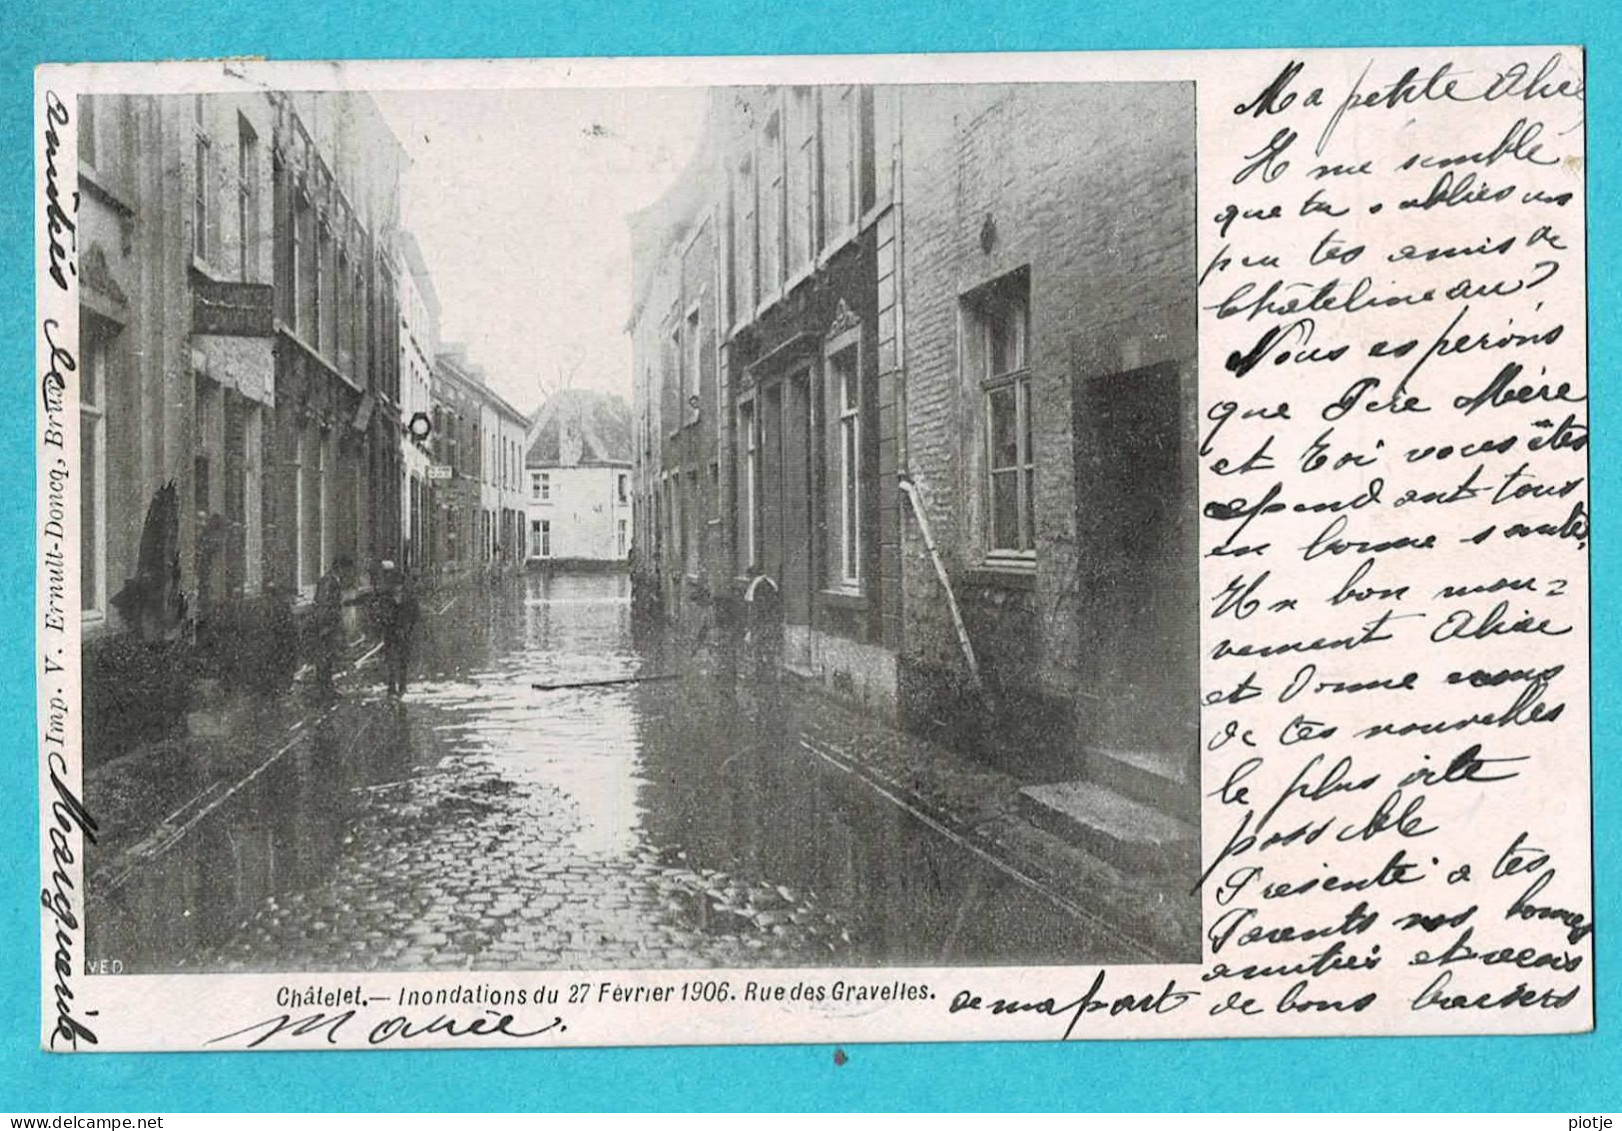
<point>485,823</point>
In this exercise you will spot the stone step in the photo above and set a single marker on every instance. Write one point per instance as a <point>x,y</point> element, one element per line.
<point>1153,777</point>
<point>1129,834</point>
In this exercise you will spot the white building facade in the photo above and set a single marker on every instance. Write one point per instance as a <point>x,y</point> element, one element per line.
<point>419,343</point>
<point>577,482</point>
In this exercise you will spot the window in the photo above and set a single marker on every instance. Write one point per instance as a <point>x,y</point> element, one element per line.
<point>647,416</point>
<point>1001,319</point>
<point>95,340</point>
<point>694,368</point>
<point>772,205</point>
<point>802,179</point>
<point>838,174</point>
<point>253,537</point>
<point>201,190</point>
<point>325,306</point>
<point>326,472</point>
<point>862,175</point>
<point>692,515</point>
<point>742,291</point>
<point>311,502</point>
<point>676,362</point>
<point>342,305</point>
<point>751,484</point>
<point>678,518</point>
<point>87,130</point>
<point>298,272</point>
<point>540,486</point>
<point>847,381</point>
<point>310,312</point>
<point>540,538</point>
<point>623,487</point>
<point>620,547</point>
<point>247,201</point>
<point>357,334</point>
<point>207,440</point>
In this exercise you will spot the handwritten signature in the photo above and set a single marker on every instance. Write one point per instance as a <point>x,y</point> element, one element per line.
<point>392,1029</point>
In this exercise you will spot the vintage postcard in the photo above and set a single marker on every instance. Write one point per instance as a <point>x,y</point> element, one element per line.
<point>1007,547</point>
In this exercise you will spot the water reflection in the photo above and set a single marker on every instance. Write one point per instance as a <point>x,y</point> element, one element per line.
<point>261,813</point>
<point>693,804</point>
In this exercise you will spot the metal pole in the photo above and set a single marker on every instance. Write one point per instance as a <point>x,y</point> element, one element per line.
<point>910,489</point>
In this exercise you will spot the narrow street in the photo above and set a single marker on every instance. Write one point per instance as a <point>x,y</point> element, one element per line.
<point>482,823</point>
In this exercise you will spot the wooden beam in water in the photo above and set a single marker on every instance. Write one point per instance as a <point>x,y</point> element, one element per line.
<point>605,682</point>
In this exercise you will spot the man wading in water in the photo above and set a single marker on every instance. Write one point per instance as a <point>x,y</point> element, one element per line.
<point>396,611</point>
<point>328,625</point>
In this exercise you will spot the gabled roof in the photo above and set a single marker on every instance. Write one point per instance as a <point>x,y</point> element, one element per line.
<point>580,428</point>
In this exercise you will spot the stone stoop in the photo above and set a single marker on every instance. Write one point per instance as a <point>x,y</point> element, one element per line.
<point>1132,836</point>
<point>1150,777</point>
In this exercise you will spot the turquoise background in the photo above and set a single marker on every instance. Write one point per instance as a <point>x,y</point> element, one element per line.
<point>1563,1074</point>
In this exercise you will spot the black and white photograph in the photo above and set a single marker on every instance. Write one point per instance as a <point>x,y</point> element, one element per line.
<point>637,528</point>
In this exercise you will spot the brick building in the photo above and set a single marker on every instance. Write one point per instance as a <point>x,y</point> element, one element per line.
<point>1050,400</point>
<point>240,373</point>
<point>966,309</point>
<point>336,186</point>
<point>681,560</point>
<point>765,350</point>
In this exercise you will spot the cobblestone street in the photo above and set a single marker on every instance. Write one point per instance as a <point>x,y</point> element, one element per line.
<point>484,824</point>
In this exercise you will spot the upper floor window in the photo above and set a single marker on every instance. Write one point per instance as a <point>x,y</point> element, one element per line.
<point>87,130</point>
<point>773,206</point>
<point>801,237</point>
<point>623,487</point>
<point>693,368</point>
<point>202,183</point>
<point>247,201</point>
<point>540,486</point>
<point>838,165</point>
<point>999,318</point>
<point>743,240</point>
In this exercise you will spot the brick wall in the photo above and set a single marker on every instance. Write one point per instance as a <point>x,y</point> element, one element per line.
<point>1089,188</point>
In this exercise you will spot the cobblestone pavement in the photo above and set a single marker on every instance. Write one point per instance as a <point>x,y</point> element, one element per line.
<point>463,869</point>
<point>485,824</point>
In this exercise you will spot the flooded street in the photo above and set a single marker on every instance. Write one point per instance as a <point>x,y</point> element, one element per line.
<point>484,823</point>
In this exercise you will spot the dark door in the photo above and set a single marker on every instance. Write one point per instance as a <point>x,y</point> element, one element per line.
<point>1138,568</point>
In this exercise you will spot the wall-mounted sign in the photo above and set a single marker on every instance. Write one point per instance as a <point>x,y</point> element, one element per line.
<point>236,310</point>
<point>441,471</point>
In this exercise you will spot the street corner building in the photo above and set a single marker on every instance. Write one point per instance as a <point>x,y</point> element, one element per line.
<point>475,517</point>
<point>241,392</point>
<point>578,462</point>
<point>914,402</point>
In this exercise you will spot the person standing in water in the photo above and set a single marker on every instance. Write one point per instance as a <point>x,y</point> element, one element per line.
<point>327,624</point>
<point>397,613</point>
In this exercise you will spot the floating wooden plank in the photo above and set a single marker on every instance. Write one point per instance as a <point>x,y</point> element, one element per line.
<point>605,682</point>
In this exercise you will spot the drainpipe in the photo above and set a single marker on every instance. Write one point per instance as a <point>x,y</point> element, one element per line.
<point>910,489</point>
